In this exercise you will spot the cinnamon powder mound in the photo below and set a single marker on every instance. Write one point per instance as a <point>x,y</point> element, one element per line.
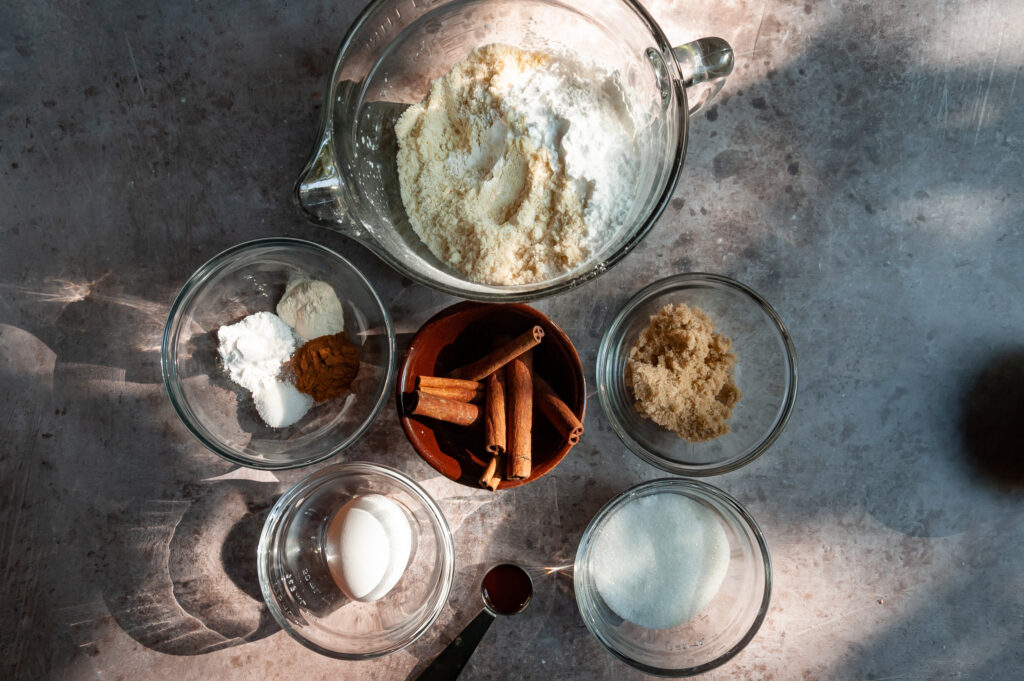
<point>325,367</point>
<point>681,374</point>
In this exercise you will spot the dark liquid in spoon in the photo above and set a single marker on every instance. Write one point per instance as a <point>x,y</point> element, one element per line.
<point>507,589</point>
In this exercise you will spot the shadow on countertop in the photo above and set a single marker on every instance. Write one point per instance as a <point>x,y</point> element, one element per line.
<point>192,587</point>
<point>993,420</point>
<point>971,628</point>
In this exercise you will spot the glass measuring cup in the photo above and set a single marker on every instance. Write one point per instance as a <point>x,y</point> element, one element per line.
<point>396,47</point>
<point>296,580</point>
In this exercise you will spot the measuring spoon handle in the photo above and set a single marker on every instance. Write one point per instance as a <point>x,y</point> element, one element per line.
<point>448,665</point>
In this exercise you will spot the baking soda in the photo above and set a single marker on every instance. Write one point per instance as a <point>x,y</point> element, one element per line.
<point>253,352</point>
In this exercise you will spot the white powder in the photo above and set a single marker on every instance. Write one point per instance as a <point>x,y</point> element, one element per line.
<point>660,560</point>
<point>518,165</point>
<point>253,352</point>
<point>312,308</point>
<point>280,404</point>
<point>579,113</point>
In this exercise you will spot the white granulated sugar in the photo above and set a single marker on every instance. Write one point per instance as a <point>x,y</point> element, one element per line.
<point>253,352</point>
<point>659,560</point>
<point>280,404</point>
<point>517,166</point>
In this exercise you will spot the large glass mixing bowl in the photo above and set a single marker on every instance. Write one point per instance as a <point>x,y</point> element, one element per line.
<point>397,47</point>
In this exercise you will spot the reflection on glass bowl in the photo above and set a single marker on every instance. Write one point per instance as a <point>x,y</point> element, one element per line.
<point>765,372</point>
<point>250,278</point>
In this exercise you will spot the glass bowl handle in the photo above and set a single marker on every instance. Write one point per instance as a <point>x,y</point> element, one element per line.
<point>705,63</point>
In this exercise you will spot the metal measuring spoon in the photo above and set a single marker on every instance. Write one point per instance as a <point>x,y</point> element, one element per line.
<point>506,590</point>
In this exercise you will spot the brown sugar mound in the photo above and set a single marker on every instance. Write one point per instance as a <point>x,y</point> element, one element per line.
<point>680,372</point>
<point>325,367</point>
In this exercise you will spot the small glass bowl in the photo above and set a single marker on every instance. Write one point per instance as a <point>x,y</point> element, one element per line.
<point>765,372</point>
<point>249,278</point>
<point>713,636</point>
<point>297,584</point>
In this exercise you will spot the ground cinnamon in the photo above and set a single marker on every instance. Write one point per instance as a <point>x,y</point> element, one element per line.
<point>325,367</point>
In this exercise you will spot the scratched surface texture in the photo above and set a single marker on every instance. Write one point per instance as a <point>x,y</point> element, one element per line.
<point>862,169</point>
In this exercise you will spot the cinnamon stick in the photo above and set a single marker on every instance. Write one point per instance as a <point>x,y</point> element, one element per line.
<point>490,472</point>
<point>487,365</point>
<point>444,382</point>
<point>494,414</point>
<point>457,394</point>
<point>519,383</point>
<point>495,422</point>
<point>556,411</point>
<point>493,483</point>
<point>420,403</point>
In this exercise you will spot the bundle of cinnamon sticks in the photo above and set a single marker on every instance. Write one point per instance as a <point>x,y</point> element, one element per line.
<point>500,390</point>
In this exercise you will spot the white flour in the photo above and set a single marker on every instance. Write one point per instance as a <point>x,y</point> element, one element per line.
<point>253,351</point>
<point>517,166</point>
<point>580,115</point>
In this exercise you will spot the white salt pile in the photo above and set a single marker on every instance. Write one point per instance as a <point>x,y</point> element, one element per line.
<point>660,559</point>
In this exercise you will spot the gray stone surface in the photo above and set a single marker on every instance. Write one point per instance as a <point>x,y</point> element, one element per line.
<point>862,169</point>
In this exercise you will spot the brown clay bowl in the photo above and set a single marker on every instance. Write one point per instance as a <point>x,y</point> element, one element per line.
<point>461,334</point>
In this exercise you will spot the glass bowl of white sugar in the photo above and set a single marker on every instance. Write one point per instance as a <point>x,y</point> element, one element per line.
<point>265,422</point>
<point>673,577</point>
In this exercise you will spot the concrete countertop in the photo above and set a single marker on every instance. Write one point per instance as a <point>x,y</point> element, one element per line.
<point>862,170</point>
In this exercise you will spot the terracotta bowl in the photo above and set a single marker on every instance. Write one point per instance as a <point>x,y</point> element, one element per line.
<point>461,334</point>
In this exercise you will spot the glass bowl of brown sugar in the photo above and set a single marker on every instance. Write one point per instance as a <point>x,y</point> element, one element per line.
<point>252,278</point>
<point>697,374</point>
